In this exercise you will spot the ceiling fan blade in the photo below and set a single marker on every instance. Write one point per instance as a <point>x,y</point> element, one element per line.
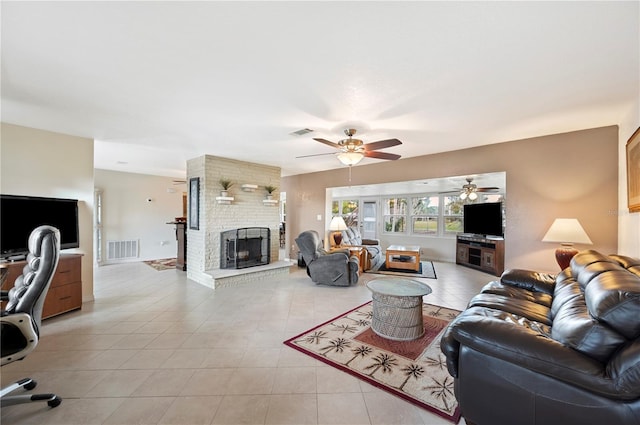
<point>327,142</point>
<point>381,155</point>
<point>381,144</point>
<point>449,191</point>
<point>487,189</point>
<point>316,154</point>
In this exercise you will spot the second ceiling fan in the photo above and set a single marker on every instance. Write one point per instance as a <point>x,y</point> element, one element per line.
<point>353,150</point>
<point>470,190</point>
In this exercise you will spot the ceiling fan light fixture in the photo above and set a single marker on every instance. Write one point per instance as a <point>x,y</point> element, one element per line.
<point>473,196</point>
<point>350,158</point>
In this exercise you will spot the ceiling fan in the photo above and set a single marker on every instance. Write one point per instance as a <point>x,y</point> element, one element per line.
<point>351,151</point>
<point>470,190</point>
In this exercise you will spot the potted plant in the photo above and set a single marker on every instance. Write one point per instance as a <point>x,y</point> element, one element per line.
<point>225,184</point>
<point>270,189</point>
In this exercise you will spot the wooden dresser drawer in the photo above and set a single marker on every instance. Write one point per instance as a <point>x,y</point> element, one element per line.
<point>62,299</point>
<point>68,271</point>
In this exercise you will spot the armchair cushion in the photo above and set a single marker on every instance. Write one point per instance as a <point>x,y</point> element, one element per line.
<point>352,237</point>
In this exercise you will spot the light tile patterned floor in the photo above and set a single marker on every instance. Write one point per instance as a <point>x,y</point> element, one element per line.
<point>155,348</point>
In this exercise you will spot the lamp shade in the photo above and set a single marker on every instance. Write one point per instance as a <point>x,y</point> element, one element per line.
<point>350,158</point>
<point>337,223</point>
<point>567,231</point>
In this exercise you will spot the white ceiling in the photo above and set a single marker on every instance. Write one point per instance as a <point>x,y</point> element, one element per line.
<point>157,83</point>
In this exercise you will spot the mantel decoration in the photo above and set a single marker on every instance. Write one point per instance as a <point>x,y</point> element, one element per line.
<point>270,189</point>
<point>633,172</point>
<point>225,184</point>
<point>194,203</point>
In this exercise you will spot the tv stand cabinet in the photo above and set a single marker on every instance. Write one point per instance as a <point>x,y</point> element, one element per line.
<point>481,253</point>
<point>65,291</point>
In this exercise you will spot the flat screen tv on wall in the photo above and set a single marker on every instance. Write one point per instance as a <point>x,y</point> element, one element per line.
<point>19,215</point>
<point>483,219</point>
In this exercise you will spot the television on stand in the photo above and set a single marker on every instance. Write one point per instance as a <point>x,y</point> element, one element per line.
<point>19,215</point>
<point>483,219</point>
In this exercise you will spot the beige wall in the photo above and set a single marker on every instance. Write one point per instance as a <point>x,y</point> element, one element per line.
<point>566,175</point>
<point>126,214</point>
<point>41,163</point>
<point>629,223</point>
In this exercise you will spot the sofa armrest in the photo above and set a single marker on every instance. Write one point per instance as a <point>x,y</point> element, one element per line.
<point>527,344</point>
<point>370,242</point>
<point>529,280</point>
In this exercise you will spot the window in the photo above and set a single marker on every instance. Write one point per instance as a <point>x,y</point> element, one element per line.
<point>452,214</point>
<point>424,215</point>
<point>394,215</point>
<point>348,209</point>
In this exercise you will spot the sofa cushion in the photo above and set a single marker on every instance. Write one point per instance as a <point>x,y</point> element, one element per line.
<point>624,369</point>
<point>613,297</point>
<point>517,306</point>
<point>588,264</point>
<point>499,288</point>
<point>575,327</point>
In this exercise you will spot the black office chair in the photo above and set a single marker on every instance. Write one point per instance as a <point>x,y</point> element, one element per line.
<point>21,318</point>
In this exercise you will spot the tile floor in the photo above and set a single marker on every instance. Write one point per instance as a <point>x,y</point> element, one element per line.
<point>156,348</point>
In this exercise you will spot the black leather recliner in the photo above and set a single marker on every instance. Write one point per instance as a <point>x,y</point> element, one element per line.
<point>539,349</point>
<point>21,319</point>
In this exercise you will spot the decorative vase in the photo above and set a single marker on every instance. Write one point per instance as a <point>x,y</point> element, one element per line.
<point>224,193</point>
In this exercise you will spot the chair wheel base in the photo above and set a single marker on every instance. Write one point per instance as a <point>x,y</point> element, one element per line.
<point>55,402</point>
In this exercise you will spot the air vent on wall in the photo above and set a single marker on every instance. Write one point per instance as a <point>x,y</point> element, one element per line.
<point>301,132</point>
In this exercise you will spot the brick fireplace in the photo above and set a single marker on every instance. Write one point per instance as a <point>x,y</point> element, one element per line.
<point>246,210</point>
<point>243,248</point>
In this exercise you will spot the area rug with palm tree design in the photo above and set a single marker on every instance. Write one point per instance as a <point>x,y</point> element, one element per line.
<point>414,370</point>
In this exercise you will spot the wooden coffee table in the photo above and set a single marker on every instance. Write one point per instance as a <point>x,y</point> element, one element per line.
<point>403,257</point>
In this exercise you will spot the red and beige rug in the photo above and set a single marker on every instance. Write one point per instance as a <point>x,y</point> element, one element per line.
<point>163,264</point>
<point>414,370</point>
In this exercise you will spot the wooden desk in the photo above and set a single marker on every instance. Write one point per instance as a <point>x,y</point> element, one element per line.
<point>403,257</point>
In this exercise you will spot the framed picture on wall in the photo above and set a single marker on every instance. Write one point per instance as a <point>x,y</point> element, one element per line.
<point>633,172</point>
<point>194,203</point>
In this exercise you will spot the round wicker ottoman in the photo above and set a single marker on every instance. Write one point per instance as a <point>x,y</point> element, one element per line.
<point>397,308</point>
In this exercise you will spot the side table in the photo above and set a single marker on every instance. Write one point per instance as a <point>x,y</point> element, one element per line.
<point>397,308</point>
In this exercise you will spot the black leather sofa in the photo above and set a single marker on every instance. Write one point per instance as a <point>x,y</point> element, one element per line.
<point>535,348</point>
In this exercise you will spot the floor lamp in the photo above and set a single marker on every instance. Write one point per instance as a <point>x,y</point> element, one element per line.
<point>567,231</point>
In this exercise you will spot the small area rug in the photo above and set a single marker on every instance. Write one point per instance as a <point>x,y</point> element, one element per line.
<point>426,270</point>
<point>163,264</point>
<point>414,370</point>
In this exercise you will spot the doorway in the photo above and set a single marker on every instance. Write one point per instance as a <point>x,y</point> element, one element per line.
<point>369,221</point>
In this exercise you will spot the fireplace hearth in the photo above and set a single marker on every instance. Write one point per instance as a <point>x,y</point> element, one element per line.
<point>245,247</point>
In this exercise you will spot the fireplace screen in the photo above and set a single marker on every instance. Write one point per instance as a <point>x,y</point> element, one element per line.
<point>246,247</point>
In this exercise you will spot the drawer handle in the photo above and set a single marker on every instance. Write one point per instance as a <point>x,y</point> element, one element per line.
<point>64,298</point>
<point>64,271</point>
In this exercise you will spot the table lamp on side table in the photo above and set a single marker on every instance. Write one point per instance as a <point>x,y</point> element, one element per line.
<point>567,231</point>
<point>337,225</point>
